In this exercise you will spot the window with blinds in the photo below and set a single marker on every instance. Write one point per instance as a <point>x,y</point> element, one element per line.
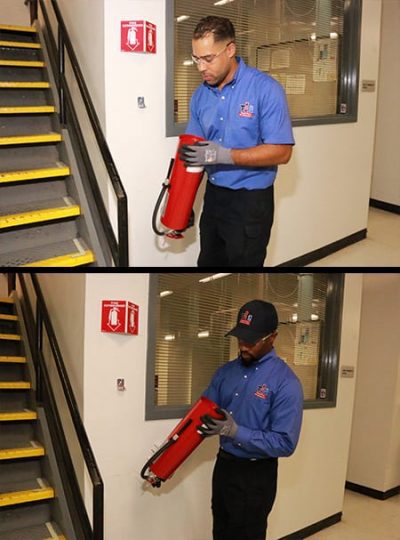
<point>191,313</point>
<point>310,46</point>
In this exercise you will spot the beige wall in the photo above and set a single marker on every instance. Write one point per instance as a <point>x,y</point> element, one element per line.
<point>375,444</point>
<point>122,439</point>
<point>330,170</point>
<point>14,12</point>
<point>385,179</point>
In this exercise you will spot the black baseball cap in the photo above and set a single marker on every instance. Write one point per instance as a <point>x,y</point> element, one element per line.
<point>255,320</point>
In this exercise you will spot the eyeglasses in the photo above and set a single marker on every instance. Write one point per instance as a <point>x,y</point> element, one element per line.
<point>208,58</point>
<point>259,340</point>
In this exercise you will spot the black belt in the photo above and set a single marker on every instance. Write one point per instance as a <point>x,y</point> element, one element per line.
<point>231,457</point>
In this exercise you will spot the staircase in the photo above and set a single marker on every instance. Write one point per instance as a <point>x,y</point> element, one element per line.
<point>41,217</point>
<point>28,501</point>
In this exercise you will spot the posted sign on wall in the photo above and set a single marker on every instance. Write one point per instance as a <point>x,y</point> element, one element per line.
<point>138,36</point>
<point>119,317</point>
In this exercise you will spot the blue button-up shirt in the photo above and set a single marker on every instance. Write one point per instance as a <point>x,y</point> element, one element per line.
<point>248,111</point>
<point>265,400</point>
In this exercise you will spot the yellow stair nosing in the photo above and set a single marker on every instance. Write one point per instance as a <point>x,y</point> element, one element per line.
<point>18,28</point>
<point>12,416</point>
<point>7,300</point>
<point>10,337</point>
<point>21,453</point>
<point>5,317</point>
<point>20,44</point>
<point>15,385</point>
<point>38,216</point>
<point>34,174</point>
<point>31,139</point>
<point>22,63</point>
<point>20,497</point>
<point>13,359</point>
<point>26,84</point>
<point>28,110</point>
<point>69,260</point>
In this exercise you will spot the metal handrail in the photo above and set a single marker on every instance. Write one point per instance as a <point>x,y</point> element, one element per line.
<point>96,531</point>
<point>119,249</point>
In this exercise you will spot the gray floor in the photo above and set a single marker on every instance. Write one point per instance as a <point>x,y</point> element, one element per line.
<point>365,518</point>
<point>381,247</point>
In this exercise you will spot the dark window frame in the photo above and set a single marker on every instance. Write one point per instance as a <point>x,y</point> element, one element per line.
<point>328,372</point>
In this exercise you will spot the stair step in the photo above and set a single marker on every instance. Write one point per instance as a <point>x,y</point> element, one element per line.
<point>10,337</point>
<point>40,212</point>
<point>22,63</point>
<point>41,109</point>
<point>16,416</point>
<point>12,359</point>
<point>8,317</point>
<point>15,385</point>
<point>35,174</point>
<point>68,260</point>
<point>6,300</point>
<point>34,450</point>
<point>14,28</point>
<point>69,252</point>
<point>19,497</point>
<point>24,84</point>
<point>45,531</point>
<point>20,44</point>
<point>31,139</point>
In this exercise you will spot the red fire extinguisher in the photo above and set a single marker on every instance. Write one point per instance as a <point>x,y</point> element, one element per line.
<point>181,186</point>
<point>180,443</point>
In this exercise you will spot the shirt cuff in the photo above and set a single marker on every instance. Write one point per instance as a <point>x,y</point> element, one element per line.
<point>242,436</point>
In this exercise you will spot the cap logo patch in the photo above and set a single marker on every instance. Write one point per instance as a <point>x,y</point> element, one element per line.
<point>262,391</point>
<point>246,318</point>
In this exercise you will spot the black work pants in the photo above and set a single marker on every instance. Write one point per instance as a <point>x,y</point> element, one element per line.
<point>243,495</point>
<point>235,226</point>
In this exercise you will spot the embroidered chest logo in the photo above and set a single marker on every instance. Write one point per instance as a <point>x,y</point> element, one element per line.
<point>246,110</point>
<point>262,391</point>
<point>246,318</point>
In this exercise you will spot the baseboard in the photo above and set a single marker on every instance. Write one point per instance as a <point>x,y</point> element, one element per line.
<point>320,253</point>
<point>313,529</point>
<point>389,207</point>
<point>374,493</point>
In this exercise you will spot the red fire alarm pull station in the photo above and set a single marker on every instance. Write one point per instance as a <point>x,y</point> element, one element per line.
<point>138,36</point>
<point>119,317</point>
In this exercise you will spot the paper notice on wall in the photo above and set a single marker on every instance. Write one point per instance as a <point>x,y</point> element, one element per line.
<point>325,60</point>
<point>295,84</point>
<point>280,59</point>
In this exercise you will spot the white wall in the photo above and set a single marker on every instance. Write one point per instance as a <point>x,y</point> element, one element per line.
<point>329,174</point>
<point>122,439</point>
<point>14,12</point>
<point>375,443</point>
<point>385,180</point>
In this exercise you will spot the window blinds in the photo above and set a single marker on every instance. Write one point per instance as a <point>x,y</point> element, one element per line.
<point>298,42</point>
<point>195,311</point>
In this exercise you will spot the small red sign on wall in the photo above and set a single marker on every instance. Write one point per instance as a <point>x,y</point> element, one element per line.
<point>138,36</point>
<point>119,317</point>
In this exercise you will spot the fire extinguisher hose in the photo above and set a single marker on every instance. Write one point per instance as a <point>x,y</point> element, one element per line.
<point>164,188</point>
<point>155,481</point>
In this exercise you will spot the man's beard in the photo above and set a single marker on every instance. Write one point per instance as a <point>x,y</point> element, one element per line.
<point>248,360</point>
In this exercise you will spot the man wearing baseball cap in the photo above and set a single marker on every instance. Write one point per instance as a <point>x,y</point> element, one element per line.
<point>262,400</point>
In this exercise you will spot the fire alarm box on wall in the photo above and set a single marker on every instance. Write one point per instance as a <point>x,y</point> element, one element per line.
<point>119,317</point>
<point>138,36</point>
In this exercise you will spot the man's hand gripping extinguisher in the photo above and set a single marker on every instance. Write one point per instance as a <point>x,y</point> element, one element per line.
<point>180,443</point>
<point>180,186</point>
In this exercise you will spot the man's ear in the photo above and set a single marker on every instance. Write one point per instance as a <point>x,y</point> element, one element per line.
<point>231,49</point>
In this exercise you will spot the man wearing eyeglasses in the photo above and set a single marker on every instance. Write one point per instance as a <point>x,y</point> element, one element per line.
<point>243,115</point>
<point>262,401</point>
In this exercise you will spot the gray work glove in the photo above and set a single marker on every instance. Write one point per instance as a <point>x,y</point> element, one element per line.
<point>205,153</point>
<point>211,426</point>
